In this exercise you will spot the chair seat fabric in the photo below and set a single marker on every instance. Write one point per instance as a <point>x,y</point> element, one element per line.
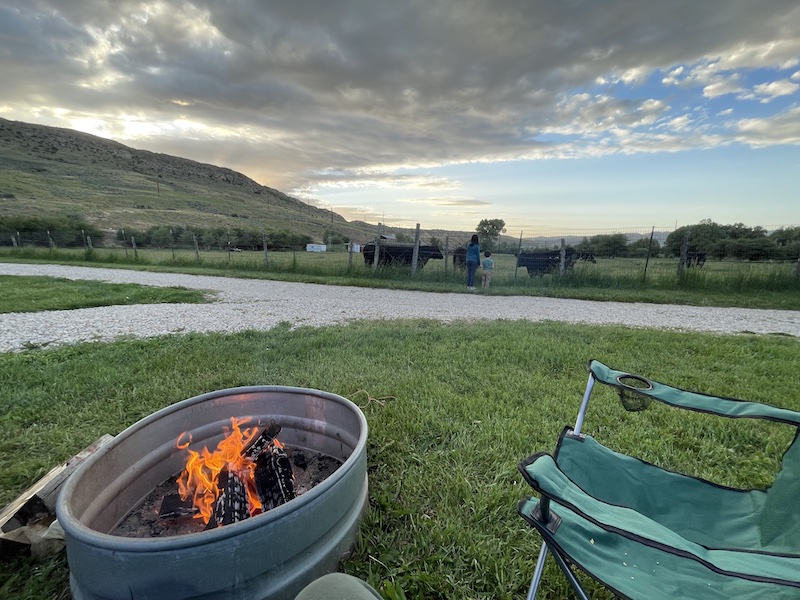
<point>639,557</point>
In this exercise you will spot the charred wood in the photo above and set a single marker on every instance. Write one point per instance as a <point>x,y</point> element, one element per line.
<point>273,478</point>
<point>232,504</point>
<point>173,507</point>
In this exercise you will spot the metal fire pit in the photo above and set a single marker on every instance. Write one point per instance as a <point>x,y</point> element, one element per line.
<point>272,555</point>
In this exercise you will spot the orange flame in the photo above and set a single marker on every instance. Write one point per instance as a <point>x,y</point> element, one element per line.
<point>200,477</point>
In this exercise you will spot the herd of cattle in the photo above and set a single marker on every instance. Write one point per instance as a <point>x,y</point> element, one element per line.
<point>536,263</point>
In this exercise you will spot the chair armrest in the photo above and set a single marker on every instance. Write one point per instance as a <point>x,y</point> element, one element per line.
<point>725,407</point>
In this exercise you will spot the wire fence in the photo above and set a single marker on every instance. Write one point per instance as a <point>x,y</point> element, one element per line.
<point>738,255</point>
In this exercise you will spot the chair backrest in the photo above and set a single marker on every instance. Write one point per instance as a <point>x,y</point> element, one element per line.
<point>776,517</point>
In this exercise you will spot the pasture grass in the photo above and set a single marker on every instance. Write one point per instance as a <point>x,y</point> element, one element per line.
<point>30,294</point>
<point>452,409</point>
<point>748,285</point>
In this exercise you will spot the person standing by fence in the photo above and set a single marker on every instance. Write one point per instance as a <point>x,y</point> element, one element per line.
<point>487,266</point>
<point>473,259</point>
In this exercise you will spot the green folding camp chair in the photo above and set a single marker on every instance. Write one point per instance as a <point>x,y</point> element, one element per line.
<point>648,533</point>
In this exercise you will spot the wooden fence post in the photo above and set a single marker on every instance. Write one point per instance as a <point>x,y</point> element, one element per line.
<point>264,242</point>
<point>562,262</point>
<point>196,248</point>
<point>377,250</point>
<point>135,251</point>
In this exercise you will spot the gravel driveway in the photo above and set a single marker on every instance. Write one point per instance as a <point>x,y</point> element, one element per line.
<point>260,304</point>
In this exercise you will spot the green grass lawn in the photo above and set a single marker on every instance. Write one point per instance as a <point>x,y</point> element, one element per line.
<point>451,410</point>
<point>29,294</point>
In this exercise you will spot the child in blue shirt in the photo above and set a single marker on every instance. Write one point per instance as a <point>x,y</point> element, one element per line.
<point>488,268</point>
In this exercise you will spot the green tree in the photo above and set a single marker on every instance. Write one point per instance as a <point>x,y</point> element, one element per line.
<point>787,242</point>
<point>585,246</point>
<point>723,241</point>
<point>488,231</point>
<point>640,247</point>
<point>610,246</point>
<point>703,237</point>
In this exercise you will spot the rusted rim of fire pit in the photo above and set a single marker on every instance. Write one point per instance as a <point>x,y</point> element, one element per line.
<point>73,526</point>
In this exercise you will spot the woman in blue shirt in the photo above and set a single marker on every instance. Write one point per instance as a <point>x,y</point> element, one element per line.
<point>473,259</point>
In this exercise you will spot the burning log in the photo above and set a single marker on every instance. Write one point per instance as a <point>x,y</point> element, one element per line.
<point>273,477</point>
<point>263,441</point>
<point>232,504</point>
<point>248,473</point>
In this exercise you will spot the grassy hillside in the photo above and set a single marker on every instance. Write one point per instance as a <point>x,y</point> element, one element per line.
<point>48,171</point>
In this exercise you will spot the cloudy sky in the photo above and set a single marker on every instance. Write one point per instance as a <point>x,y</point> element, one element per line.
<point>571,114</point>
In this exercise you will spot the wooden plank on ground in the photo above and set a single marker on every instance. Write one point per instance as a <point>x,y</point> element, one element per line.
<point>40,499</point>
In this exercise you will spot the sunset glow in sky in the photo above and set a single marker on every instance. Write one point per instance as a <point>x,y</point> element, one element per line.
<point>574,114</point>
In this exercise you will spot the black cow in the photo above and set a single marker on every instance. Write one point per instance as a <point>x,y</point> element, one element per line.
<point>587,256</point>
<point>460,258</point>
<point>541,263</point>
<point>695,259</point>
<point>396,253</point>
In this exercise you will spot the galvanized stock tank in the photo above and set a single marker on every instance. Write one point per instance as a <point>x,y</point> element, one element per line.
<point>272,555</point>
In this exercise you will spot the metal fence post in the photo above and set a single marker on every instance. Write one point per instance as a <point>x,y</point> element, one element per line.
<point>446,252</point>
<point>684,254</point>
<point>649,249</point>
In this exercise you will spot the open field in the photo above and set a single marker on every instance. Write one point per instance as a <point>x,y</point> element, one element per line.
<point>725,283</point>
<point>451,410</point>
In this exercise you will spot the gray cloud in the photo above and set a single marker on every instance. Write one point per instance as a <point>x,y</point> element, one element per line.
<point>306,93</point>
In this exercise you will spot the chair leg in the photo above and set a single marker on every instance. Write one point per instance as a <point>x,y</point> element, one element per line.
<point>573,581</point>
<point>537,573</point>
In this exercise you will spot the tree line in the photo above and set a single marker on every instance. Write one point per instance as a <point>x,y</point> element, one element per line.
<point>737,241</point>
<point>214,238</point>
<point>73,232</point>
<point>65,232</point>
